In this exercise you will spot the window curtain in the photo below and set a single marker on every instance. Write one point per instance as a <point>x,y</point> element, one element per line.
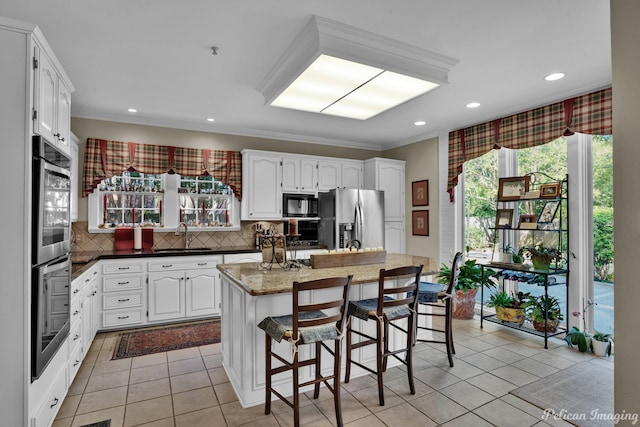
<point>104,159</point>
<point>589,114</point>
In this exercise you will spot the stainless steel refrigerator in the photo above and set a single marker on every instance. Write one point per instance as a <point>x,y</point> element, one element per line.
<point>351,218</point>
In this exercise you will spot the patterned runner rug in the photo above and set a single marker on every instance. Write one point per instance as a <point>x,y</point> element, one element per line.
<point>581,395</point>
<point>140,342</point>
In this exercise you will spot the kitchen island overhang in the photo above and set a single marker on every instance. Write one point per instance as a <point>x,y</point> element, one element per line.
<point>249,294</point>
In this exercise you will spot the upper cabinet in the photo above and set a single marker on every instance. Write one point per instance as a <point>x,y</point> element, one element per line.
<point>52,103</point>
<point>352,176</point>
<point>299,175</point>
<point>329,174</point>
<point>262,180</point>
<point>387,175</point>
<point>75,181</point>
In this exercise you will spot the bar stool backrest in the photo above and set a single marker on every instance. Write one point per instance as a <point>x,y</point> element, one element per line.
<point>337,306</point>
<point>455,272</point>
<point>410,289</point>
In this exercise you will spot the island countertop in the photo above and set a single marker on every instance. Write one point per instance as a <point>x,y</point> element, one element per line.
<point>256,281</point>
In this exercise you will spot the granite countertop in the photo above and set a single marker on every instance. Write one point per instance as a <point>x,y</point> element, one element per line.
<point>256,281</point>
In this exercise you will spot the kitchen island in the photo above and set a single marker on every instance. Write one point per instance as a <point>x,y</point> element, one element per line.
<point>249,294</point>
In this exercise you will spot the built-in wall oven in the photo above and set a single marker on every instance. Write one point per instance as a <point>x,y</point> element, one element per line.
<point>50,258</point>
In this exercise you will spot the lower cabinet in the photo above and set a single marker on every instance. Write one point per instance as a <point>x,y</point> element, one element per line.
<point>89,308</point>
<point>123,301</point>
<point>394,237</point>
<point>180,288</point>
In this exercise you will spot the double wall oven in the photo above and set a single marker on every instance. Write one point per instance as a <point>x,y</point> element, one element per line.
<point>50,258</point>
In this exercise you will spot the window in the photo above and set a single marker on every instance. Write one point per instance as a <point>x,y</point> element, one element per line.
<point>131,197</point>
<point>204,202</point>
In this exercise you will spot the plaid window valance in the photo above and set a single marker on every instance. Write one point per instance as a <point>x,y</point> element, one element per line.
<point>589,114</point>
<point>104,159</point>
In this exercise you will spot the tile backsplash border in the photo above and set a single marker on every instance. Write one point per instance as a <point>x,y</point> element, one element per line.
<point>83,240</point>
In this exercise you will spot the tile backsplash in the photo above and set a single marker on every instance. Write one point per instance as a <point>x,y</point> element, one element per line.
<point>83,240</point>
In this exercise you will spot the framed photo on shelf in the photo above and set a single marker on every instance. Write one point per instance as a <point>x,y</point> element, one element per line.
<point>550,190</point>
<point>513,188</point>
<point>504,218</point>
<point>548,212</point>
<point>527,222</point>
<point>420,223</point>
<point>420,193</point>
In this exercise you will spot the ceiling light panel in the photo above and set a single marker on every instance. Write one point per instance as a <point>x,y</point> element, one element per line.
<point>354,73</point>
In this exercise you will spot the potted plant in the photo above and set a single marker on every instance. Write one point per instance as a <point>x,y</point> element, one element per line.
<point>601,344</point>
<point>512,255</point>
<point>509,308</point>
<point>578,338</point>
<point>469,281</point>
<point>544,311</point>
<point>542,256</point>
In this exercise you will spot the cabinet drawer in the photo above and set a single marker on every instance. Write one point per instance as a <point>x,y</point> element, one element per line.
<point>52,401</point>
<point>74,313</point>
<point>120,283</point>
<point>76,287</point>
<point>170,264</point>
<point>89,277</point>
<point>75,360</point>
<point>75,334</point>
<point>111,319</point>
<point>131,267</point>
<point>121,300</point>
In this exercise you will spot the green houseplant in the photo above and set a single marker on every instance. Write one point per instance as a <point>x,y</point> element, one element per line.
<point>601,344</point>
<point>542,256</point>
<point>537,306</point>
<point>469,281</point>
<point>578,338</point>
<point>509,308</point>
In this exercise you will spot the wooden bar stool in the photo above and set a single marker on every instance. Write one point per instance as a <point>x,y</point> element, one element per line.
<point>439,298</point>
<point>392,307</point>
<point>313,323</point>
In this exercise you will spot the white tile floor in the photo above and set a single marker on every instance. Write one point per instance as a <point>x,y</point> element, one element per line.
<point>190,388</point>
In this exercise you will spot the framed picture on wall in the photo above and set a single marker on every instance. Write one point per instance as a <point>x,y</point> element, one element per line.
<point>420,193</point>
<point>420,223</point>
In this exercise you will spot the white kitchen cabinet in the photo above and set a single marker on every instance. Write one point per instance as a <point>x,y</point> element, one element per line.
<point>90,314</point>
<point>75,181</point>
<point>262,178</point>
<point>299,175</point>
<point>52,113</point>
<point>122,293</point>
<point>389,176</point>
<point>75,329</point>
<point>351,174</point>
<point>184,288</point>
<point>394,236</point>
<point>329,174</point>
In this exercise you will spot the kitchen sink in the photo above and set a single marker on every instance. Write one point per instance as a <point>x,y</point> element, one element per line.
<point>183,250</point>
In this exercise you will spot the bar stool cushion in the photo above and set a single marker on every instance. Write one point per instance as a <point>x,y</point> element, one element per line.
<point>279,327</point>
<point>430,292</point>
<point>365,308</point>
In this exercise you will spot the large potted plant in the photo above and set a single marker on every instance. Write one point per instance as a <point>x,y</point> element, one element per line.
<point>509,308</point>
<point>469,281</point>
<point>542,256</point>
<point>544,312</point>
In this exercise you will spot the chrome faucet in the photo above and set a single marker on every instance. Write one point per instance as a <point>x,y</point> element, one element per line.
<point>187,237</point>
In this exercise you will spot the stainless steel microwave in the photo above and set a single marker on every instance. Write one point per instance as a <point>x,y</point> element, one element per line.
<point>299,206</point>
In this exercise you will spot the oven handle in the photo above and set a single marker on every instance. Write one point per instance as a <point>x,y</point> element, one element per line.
<point>58,265</point>
<point>56,169</point>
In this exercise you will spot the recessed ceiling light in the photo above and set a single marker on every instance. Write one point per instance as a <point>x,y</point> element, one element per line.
<point>132,110</point>
<point>554,76</point>
<point>473,105</point>
<point>420,123</point>
<point>211,119</point>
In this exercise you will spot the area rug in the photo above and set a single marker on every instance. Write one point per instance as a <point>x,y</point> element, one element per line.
<point>105,423</point>
<point>581,395</point>
<point>140,342</point>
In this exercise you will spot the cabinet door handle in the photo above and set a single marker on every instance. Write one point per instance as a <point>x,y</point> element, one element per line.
<point>203,263</point>
<point>75,313</point>
<point>122,317</point>
<point>75,291</point>
<point>76,337</point>
<point>87,280</point>
<point>124,300</point>
<point>55,402</point>
<point>123,283</point>
<point>123,268</point>
<point>76,363</point>
<point>167,265</point>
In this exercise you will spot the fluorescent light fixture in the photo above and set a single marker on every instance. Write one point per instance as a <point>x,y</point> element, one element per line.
<point>343,71</point>
<point>132,110</point>
<point>473,105</point>
<point>554,76</point>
